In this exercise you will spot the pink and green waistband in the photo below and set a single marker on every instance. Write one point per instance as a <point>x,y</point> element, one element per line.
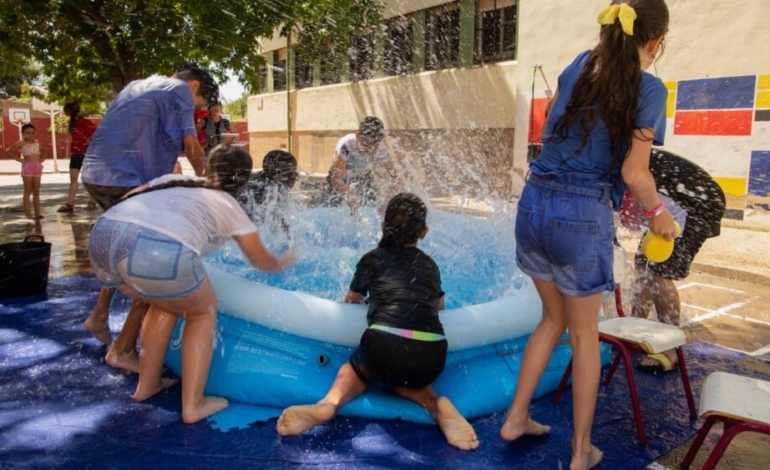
<point>409,334</point>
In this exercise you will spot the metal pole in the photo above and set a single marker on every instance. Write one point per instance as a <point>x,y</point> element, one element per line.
<point>288,89</point>
<point>53,139</point>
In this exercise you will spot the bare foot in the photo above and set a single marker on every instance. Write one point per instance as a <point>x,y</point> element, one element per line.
<point>100,331</point>
<point>144,392</point>
<point>512,429</point>
<point>40,216</point>
<point>586,461</point>
<point>457,430</point>
<point>297,419</point>
<point>207,407</point>
<point>28,215</point>
<point>118,360</point>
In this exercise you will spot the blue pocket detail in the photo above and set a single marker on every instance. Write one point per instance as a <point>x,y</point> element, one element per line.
<point>155,259</point>
<point>572,245</point>
<point>522,229</point>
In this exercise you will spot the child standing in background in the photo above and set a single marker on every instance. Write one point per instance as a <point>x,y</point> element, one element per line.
<point>606,115</point>
<point>31,156</point>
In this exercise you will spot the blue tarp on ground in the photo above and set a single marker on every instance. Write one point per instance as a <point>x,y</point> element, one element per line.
<point>62,407</point>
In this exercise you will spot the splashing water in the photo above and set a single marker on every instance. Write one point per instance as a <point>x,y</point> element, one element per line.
<point>476,256</point>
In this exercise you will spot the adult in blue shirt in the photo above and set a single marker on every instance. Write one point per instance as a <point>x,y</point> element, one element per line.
<point>145,129</point>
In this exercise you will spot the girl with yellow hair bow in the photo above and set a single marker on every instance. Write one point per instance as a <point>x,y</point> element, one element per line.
<point>606,114</point>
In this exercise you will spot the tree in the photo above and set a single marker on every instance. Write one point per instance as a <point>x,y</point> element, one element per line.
<point>90,49</point>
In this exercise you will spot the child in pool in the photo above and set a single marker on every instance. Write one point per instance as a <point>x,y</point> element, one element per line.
<point>31,156</point>
<point>150,246</point>
<point>404,347</point>
<point>267,193</point>
<point>606,114</point>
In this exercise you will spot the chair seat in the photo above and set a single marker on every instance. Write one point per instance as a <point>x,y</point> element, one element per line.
<point>652,336</point>
<point>736,397</point>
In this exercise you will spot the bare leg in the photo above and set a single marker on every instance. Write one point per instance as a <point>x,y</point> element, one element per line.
<point>96,323</point>
<point>297,419</point>
<point>36,197</point>
<point>582,314</point>
<point>73,190</point>
<point>666,300</point>
<point>643,293</point>
<point>156,334</point>
<point>457,430</point>
<point>536,356</point>
<point>122,353</point>
<point>27,193</point>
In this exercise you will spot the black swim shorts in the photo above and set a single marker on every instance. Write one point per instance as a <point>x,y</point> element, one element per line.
<point>106,196</point>
<point>76,162</point>
<point>394,361</point>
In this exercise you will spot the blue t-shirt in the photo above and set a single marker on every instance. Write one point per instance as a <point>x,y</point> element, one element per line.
<point>595,159</point>
<point>142,134</point>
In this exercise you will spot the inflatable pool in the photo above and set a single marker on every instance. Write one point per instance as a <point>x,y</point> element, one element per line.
<point>282,344</point>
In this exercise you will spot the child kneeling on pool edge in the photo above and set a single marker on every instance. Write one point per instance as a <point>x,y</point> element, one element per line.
<point>404,348</point>
<point>150,246</point>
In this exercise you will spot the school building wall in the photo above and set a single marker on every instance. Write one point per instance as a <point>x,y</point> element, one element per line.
<point>716,66</point>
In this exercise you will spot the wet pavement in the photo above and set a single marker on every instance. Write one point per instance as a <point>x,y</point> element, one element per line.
<point>724,301</point>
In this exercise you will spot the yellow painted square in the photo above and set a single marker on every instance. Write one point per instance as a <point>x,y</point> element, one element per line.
<point>763,82</point>
<point>732,186</point>
<point>671,104</point>
<point>763,99</point>
<point>672,85</point>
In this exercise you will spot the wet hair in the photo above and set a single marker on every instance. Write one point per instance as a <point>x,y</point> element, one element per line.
<point>72,109</point>
<point>27,126</point>
<point>404,221</point>
<point>608,86</point>
<point>371,130</point>
<point>215,103</point>
<point>208,89</point>
<point>276,161</point>
<point>228,168</point>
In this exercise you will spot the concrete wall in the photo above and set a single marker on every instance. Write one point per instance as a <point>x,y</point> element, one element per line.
<point>716,66</point>
<point>464,114</point>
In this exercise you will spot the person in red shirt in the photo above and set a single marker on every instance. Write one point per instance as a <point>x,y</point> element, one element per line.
<point>81,130</point>
<point>200,115</point>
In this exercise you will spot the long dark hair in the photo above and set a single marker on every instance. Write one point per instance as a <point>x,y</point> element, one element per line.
<point>404,221</point>
<point>72,109</point>
<point>609,84</point>
<point>228,169</point>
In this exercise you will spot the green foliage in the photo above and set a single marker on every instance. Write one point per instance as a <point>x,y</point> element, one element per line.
<point>237,108</point>
<point>90,49</point>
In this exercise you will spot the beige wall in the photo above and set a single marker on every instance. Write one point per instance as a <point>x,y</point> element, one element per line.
<point>461,117</point>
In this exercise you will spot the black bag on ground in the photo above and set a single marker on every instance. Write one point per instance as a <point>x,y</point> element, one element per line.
<point>24,267</point>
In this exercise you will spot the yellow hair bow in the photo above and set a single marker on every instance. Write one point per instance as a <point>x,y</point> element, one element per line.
<point>621,11</point>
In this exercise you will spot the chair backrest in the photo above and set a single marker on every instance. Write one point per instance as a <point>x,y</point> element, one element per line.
<point>619,301</point>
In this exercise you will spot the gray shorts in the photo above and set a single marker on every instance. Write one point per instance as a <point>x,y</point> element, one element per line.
<point>106,196</point>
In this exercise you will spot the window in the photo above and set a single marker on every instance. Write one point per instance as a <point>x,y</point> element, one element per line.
<point>362,54</point>
<point>495,31</point>
<point>398,46</point>
<point>263,71</point>
<point>303,72</point>
<point>279,69</point>
<point>331,70</point>
<point>442,37</point>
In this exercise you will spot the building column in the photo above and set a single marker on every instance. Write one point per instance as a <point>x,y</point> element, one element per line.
<point>270,72</point>
<point>418,41</point>
<point>467,31</point>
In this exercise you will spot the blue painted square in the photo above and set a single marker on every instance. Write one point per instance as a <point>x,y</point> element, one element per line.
<point>759,173</point>
<point>716,93</point>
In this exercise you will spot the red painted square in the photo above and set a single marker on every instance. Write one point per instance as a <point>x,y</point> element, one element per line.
<point>537,119</point>
<point>714,122</point>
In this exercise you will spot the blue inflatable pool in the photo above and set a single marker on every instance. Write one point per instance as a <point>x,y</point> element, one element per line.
<point>282,344</point>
